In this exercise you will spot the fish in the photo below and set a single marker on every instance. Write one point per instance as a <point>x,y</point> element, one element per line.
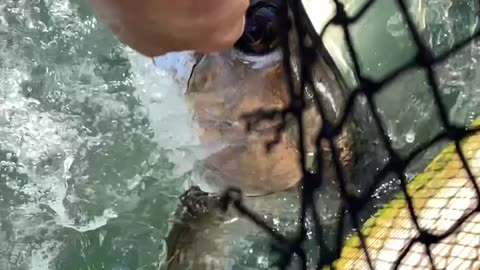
<point>221,89</point>
<point>226,86</point>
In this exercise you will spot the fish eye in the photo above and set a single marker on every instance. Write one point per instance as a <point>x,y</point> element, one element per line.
<point>261,28</point>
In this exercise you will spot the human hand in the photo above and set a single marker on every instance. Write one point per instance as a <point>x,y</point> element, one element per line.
<point>156,27</point>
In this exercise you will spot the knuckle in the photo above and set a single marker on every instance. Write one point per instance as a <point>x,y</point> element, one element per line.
<point>221,45</point>
<point>224,35</point>
<point>224,30</point>
<point>229,37</point>
<point>244,5</point>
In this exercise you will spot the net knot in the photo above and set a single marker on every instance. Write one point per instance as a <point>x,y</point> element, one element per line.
<point>428,238</point>
<point>398,164</point>
<point>355,204</point>
<point>456,133</point>
<point>368,86</point>
<point>231,195</point>
<point>311,182</point>
<point>341,17</point>
<point>425,57</point>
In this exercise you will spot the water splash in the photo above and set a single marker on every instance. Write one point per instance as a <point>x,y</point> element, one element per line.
<point>77,153</point>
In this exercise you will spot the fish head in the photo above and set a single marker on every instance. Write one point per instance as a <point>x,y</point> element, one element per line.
<point>225,88</point>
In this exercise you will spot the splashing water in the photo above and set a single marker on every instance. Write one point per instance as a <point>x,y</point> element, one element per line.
<point>80,168</point>
<point>96,144</point>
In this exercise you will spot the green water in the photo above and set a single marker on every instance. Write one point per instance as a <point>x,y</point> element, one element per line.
<point>383,43</point>
<point>83,184</point>
<point>96,145</point>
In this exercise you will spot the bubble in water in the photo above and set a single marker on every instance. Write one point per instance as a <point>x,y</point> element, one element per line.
<point>262,261</point>
<point>410,136</point>
<point>396,25</point>
<point>156,98</point>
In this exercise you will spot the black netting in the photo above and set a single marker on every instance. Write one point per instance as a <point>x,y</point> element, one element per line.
<point>354,203</point>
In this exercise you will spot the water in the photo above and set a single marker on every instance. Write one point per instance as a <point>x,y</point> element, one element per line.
<point>406,104</point>
<point>84,183</point>
<point>96,145</point>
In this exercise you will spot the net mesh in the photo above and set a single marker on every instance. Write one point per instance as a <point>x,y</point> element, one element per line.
<point>433,223</point>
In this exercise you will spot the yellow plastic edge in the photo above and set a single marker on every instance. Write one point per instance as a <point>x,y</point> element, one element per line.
<point>398,201</point>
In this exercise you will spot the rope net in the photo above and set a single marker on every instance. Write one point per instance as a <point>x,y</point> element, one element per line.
<point>433,222</point>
